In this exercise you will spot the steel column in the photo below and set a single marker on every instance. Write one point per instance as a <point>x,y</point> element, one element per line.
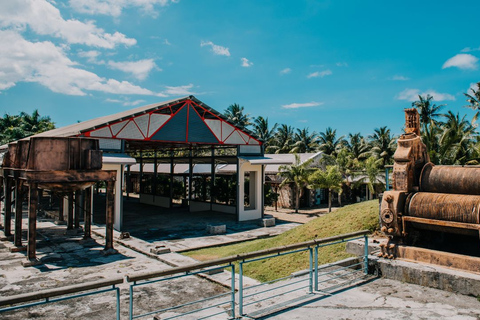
<point>61,216</point>
<point>78,206</point>
<point>7,222</point>
<point>32,222</point>
<point>70,211</point>
<point>87,210</point>
<point>110,215</point>
<point>18,212</point>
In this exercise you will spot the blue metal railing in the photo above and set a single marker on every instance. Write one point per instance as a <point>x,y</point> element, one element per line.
<point>22,301</point>
<point>230,295</point>
<point>311,283</point>
<point>314,283</point>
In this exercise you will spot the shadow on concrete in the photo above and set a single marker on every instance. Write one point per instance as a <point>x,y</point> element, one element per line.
<point>304,300</point>
<point>151,223</point>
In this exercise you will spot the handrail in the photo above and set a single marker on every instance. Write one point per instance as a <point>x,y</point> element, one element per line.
<point>49,293</point>
<point>230,259</point>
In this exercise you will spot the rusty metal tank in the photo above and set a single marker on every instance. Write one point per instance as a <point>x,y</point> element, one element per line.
<point>450,179</point>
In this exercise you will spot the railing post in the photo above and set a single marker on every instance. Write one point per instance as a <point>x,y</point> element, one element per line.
<point>118,302</point>
<point>130,306</point>
<point>316,268</point>
<point>365,259</point>
<point>240,289</point>
<point>310,280</point>
<point>233,290</point>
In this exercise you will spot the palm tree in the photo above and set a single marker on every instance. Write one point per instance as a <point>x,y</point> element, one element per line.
<point>330,179</point>
<point>305,141</point>
<point>428,111</point>
<point>456,142</point>
<point>297,174</point>
<point>261,129</point>
<point>474,100</point>
<point>329,144</point>
<point>284,139</point>
<point>235,113</point>
<point>10,128</point>
<point>383,145</point>
<point>356,146</point>
<point>372,170</point>
<point>35,123</point>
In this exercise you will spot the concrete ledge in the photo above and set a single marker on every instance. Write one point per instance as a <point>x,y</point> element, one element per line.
<point>427,275</point>
<point>267,222</point>
<point>356,247</point>
<point>217,229</point>
<point>161,249</point>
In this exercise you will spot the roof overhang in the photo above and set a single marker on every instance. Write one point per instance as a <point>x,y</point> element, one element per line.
<point>118,158</point>
<point>259,160</point>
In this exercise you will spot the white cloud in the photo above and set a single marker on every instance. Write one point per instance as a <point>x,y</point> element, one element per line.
<point>399,78</point>
<point>462,61</point>
<point>126,103</point>
<point>285,71</point>
<point>246,63</point>
<point>179,91</point>
<point>114,7</point>
<point>468,49</point>
<point>139,69</point>
<point>341,64</point>
<point>91,56</point>
<point>45,19</point>
<point>320,74</point>
<point>46,64</point>
<point>302,105</point>
<point>412,95</point>
<point>218,50</point>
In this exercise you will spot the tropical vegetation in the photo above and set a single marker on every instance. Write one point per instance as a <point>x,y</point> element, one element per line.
<point>15,127</point>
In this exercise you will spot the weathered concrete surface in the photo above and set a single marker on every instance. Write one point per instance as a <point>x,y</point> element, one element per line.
<point>379,299</point>
<point>430,276</point>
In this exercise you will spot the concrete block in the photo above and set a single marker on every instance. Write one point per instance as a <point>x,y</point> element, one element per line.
<point>356,247</point>
<point>160,249</point>
<point>217,229</point>
<point>267,222</point>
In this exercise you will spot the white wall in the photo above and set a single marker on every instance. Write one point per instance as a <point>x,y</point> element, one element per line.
<point>256,184</point>
<point>118,211</point>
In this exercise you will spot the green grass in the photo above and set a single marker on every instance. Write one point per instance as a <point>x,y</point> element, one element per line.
<point>348,219</point>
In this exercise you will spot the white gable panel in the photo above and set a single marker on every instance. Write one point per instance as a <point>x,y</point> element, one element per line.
<point>235,138</point>
<point>156,121</point>
<point>117,127</point>
<point>103,132</point>
<point>216,127</point>
<point>142,122</point>
<point>226,130</point>
<point>252,141</point>
<point>130,132</point>
<point>244,136</point>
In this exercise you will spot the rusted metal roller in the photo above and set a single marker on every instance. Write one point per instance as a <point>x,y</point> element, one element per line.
<point>447,207</point>
<point>450,179</point>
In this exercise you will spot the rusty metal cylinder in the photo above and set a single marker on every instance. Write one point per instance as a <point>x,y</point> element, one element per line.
<point>450,179</point>
<point>447,207</point>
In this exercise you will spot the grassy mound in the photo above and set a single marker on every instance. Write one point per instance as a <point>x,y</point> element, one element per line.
<point>348,219</point>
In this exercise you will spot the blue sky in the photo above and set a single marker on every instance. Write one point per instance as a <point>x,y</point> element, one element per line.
<point>349,65</point>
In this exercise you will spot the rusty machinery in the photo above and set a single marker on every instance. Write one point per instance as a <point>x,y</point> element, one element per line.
<point>426,196</point>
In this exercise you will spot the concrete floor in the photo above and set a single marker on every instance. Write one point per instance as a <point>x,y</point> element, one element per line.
<point>68,260</point>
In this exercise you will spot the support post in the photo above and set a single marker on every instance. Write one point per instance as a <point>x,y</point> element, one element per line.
<point>61,217</point>
<point>155,176</point>
<point>70,211</point>
<point>172,167</point>
<point>110,215</point>
<point>87,210</point>
<point>78,206</point>
<point>7,222</point>
<point>18,212</point>
<point>32,222</point>
<point>128,182</point>
<point>212,179</point>
<point>190,177</point>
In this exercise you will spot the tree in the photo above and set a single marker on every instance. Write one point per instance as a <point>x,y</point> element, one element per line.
<point>456,142</point>
<point>428,111</point>
<point>329,144</point>
<point>305,141</point>
<point>474,100</point>
<point>261,129</point>
<point>235,113</point>
<point>297,174</point>
<point>23,125</point>
<point>330,179</point>
<point>372,171</point>
<point>356,146</point>
<point>383,145</point>
<point>284,139</point>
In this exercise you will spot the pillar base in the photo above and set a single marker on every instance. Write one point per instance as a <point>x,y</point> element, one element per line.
<point>108,252</point>
<point>60,223</point>
<point>31,263</point>
<point>18,249</point>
